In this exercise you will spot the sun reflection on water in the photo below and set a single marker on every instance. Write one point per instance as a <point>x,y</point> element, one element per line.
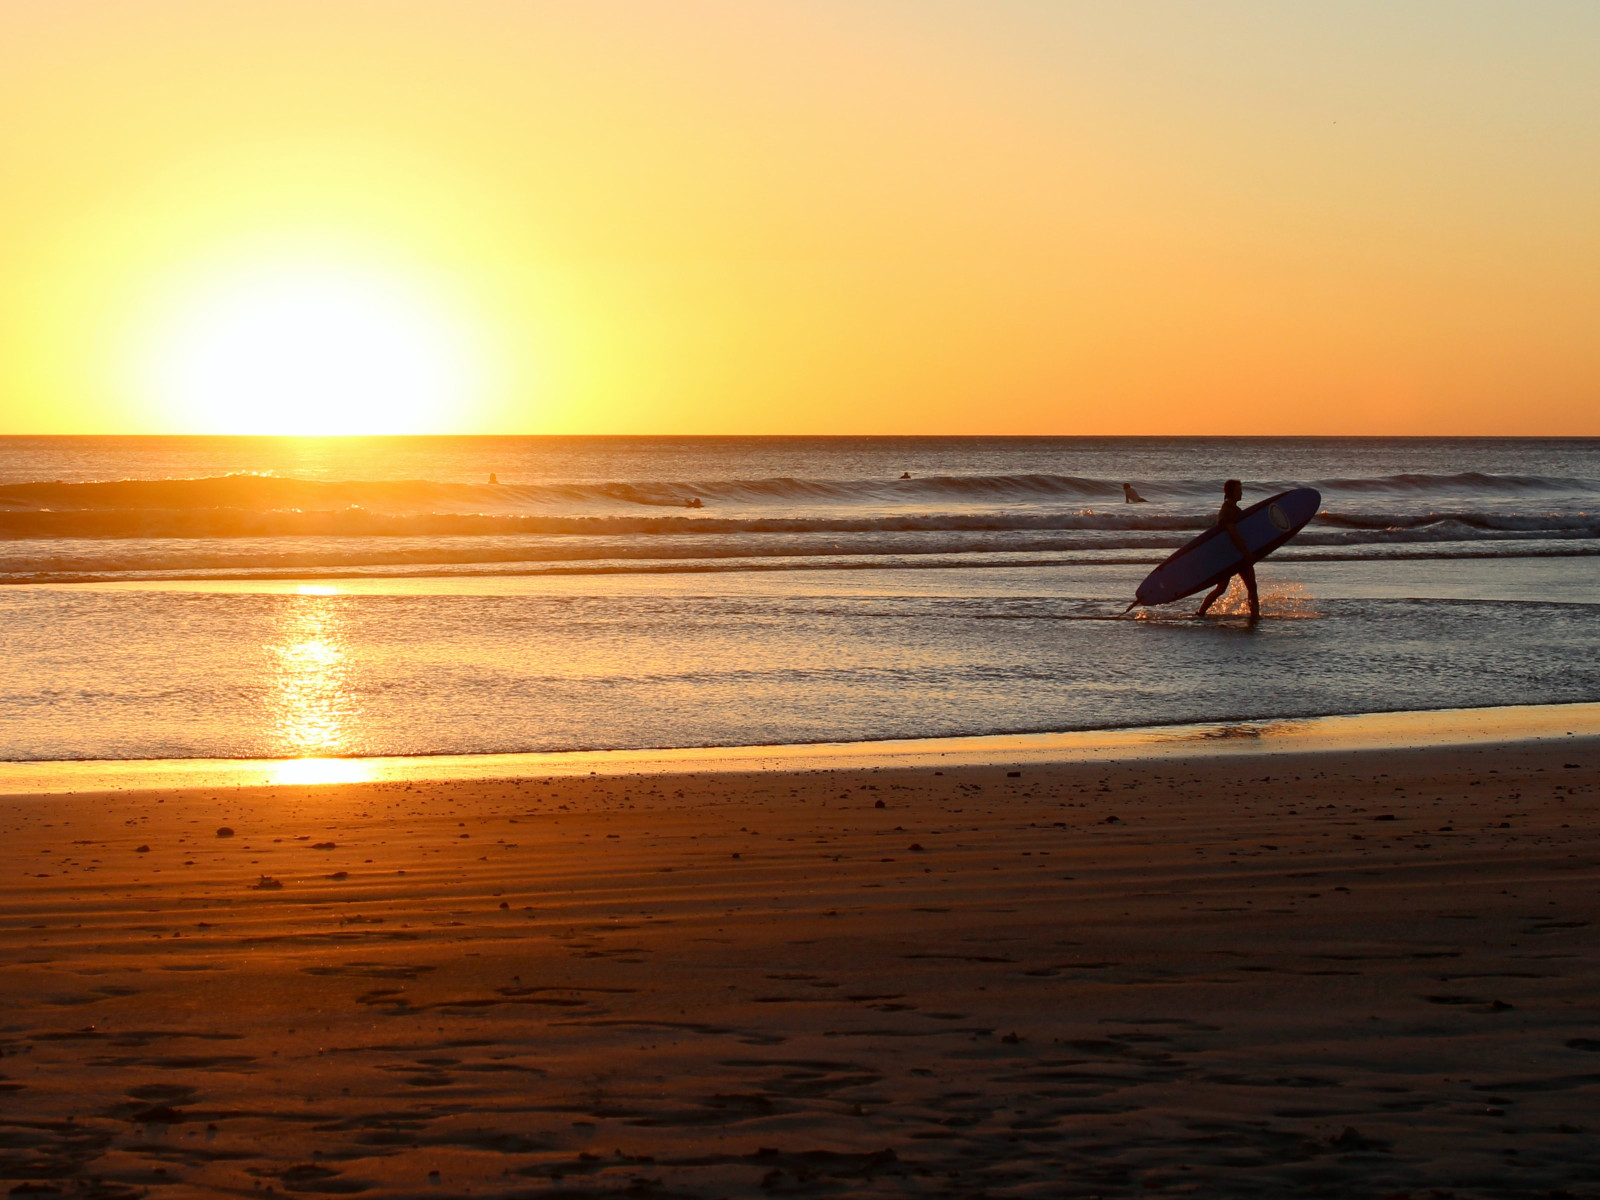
<point>310,706</point>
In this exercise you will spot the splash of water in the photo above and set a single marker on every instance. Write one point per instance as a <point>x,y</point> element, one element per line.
<point>1279,600</point>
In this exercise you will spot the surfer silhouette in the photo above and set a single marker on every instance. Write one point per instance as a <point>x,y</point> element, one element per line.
<point>1228,518</point>
<point>1129,496</point>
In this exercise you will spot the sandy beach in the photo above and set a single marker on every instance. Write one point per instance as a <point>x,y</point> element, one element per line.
<point>1339,973</point>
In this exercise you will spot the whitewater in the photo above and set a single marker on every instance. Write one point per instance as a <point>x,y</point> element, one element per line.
<point>222,597</point>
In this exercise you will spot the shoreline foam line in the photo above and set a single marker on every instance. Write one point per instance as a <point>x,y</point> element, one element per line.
<point>1359,732</point>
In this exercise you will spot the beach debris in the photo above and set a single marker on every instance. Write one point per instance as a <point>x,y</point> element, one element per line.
<point>325,846</point>
<point>916,848</point>
<point>141,849</point>
<point>266,884</point>
<point>225,831</point>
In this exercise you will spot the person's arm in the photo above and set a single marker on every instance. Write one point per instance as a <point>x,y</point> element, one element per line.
<point>1230,526</point>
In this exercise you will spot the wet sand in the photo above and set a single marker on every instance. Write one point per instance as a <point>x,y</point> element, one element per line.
<point>1340,974</point>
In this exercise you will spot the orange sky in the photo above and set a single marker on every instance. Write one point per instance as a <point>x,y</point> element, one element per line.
<point>825,217</point>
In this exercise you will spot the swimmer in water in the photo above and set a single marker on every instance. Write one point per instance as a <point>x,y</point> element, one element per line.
<point>1129,496</point>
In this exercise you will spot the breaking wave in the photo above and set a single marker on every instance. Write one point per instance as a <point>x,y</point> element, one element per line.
<point>271,493</point>
<point>228,523</point>
<point>246,524</point>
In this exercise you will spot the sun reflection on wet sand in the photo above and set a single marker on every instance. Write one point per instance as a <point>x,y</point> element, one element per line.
<point>1368,731</point>
<point>323,770</point>
<point>309,705</point>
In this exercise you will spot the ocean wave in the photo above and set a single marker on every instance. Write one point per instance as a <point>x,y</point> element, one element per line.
<point>242,494</point>
<point>233,523</point>
<point>1466,481</point>
<point>124,570</point>
<point>43,557</point>
<point>37,559</point>
<point>265,506</point>
<point>362,522</point>
<point>1456,523</point>
<point>256,493</point>
<point>248,525</point>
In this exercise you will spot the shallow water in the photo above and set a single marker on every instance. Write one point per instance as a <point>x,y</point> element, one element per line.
<point>537,664</point>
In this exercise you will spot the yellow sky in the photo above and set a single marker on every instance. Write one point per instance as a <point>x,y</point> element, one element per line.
<point>819,217</point>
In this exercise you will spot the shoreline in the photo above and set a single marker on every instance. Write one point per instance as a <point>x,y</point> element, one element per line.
<point>1414,729</point>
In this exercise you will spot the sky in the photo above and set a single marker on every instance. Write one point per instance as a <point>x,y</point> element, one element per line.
<point>825,217</point>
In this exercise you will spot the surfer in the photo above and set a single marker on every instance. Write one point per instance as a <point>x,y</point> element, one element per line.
<point>1129,496</point>
<point>1228,518</point>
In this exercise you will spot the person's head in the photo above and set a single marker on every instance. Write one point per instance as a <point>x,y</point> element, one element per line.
<point>1233,489</point>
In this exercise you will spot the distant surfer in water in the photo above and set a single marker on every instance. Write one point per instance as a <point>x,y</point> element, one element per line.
<point>1129,496</point>
<point>1228,517</point>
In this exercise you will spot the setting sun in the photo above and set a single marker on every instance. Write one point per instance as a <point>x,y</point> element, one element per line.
<point>314,349</point>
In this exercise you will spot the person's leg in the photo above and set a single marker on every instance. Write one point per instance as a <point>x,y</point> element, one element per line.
<point>1216,594</point>
<point>1248,574</point>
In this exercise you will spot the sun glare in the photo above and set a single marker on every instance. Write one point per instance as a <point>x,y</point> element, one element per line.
<point>314,351</point>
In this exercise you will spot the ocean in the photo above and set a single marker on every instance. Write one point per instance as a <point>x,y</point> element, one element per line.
<point>261,598</point>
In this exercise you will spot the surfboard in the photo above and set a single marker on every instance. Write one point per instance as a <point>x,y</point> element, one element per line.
<point>1212,557</point>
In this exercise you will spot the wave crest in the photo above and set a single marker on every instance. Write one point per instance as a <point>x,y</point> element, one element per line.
<point>258,494</point>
